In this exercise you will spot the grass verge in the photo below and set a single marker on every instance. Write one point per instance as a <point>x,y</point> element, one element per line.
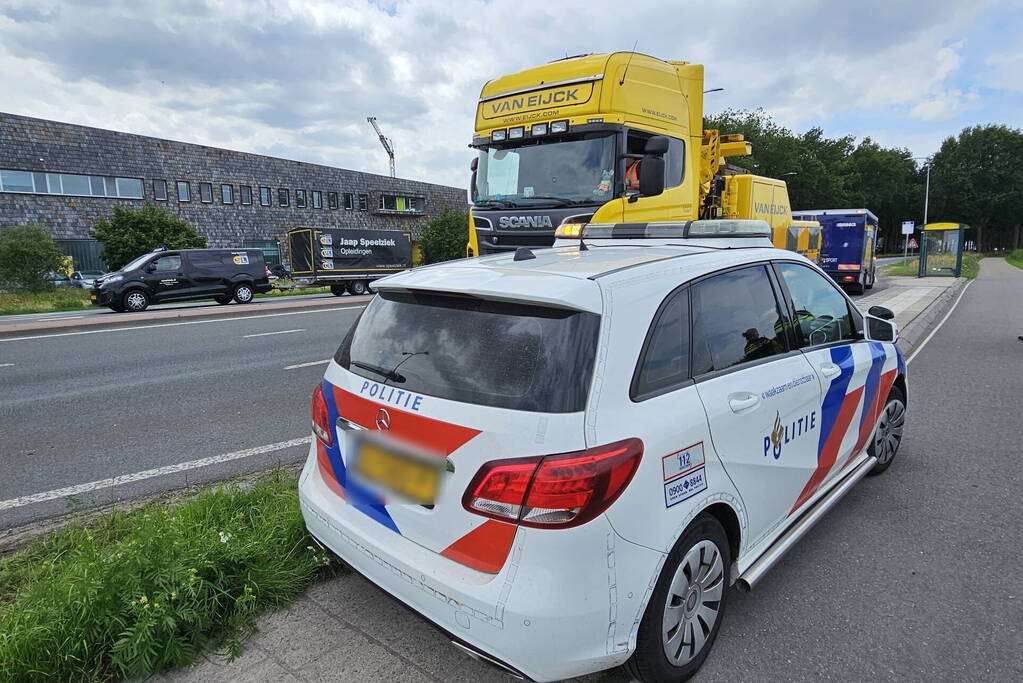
<point>971,266</point>
<point>1015,258</point>
<point>134,593</point>
<point>298,291</point>
<point>59,299</point>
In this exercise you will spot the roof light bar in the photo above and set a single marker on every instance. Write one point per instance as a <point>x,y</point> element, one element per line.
<point>499,135</point>
<point>666,230</point>
<point>516,132</point>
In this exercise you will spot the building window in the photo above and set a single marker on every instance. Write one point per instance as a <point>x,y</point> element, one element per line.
<point>283,197</point>
<point>390,203</point>
<point>206,193</point>
<point>349,201</point>
<point>332,200</point>
<point>363,202</point>
<point>317,199</point>
<point>184,194</point>
<point>160,190</point>
<point>74,184</point>
<point>300,199</point>
<point>265,196</point>
<point>227,194</point>
<point>246,194</point>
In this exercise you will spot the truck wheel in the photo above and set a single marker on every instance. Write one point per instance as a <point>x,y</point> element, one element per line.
<point>856,288</point>
<point>243,293</point>
<point>135,300</point>
<point>888,436</point>
<point>872,280</point>
<point>687,605</point>
<point>337,290</point>
<point>222,299</point>
<point>357,287</point>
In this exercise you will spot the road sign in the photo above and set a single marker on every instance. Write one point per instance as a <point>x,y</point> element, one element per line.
<point>907,227</point>
<point>912,243</point>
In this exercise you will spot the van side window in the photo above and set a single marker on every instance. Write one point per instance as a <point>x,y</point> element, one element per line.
<point>822,313</point>
<point>664,360</point>
<point>168,263</point>
<point>736,319</point>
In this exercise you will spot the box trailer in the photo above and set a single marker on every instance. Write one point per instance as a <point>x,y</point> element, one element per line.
<point>347,259</point>
<point>848,245</point>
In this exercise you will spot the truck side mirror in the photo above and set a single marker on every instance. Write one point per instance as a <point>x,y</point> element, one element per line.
<point>651,176</point>
<point>657,146</point>
<point>473,165</point>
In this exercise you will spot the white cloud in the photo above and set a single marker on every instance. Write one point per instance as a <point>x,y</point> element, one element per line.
<point>297,79</point>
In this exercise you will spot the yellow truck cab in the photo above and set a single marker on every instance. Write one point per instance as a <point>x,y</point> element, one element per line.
<point>606,138</point>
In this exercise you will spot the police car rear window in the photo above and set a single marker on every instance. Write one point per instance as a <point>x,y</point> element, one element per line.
<point>476,351</point>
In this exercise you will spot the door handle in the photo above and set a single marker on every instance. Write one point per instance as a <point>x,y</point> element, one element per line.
<point>830,370</point>
<point>743,401</point>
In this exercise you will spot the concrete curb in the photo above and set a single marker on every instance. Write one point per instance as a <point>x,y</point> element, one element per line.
<point>918,328</point>
<point>115,320</point>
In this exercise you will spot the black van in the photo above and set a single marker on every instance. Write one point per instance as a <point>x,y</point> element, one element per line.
<point>184,275</point>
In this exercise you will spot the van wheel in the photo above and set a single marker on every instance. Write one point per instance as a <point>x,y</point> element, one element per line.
<point>888,436</point>
<point>135,300</point>
<point>337,290</point>
<point>357,287</point>
<point>243,293</point>
<point>687,606</point>
<point>116,308</point>
<point>222,299</point>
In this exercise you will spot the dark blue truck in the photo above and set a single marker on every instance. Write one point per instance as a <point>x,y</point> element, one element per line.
<point>847,246</point>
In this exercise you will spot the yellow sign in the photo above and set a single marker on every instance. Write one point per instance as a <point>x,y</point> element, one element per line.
<point>407,476</point>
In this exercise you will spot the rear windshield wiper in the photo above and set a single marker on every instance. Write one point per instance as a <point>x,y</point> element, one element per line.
<point>389,375</point>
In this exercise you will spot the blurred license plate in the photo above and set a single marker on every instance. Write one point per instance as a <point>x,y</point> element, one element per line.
<point>92,296</point>
<point>410,476</point>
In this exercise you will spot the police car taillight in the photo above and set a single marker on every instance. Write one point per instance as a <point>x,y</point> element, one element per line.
<point>554,491</point>
<point>321,417</point>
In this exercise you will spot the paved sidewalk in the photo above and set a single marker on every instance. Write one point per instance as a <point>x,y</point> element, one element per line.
<point>918,304</point>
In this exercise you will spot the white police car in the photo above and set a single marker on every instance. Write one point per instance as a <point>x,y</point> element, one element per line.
<point>566,458</point>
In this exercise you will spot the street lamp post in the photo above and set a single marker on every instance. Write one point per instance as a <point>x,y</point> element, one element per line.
<point>927,197</point>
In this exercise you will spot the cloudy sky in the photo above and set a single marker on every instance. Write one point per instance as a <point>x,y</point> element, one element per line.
<point>297,79</point>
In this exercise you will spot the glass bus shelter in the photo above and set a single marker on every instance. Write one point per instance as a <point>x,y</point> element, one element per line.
<point>941,250</point>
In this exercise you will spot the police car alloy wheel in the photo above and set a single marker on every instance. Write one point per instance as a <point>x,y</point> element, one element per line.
<point>684,613</point>
<point>243,294</point>
<point>136,300</point>
<point>888,436</point>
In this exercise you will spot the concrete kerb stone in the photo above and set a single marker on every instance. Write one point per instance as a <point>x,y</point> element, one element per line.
<point>920,326</point>
<point>29,328</point>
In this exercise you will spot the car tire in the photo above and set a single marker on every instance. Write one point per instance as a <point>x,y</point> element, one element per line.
<point>358,287</point>
<point>135,300</point>
<point>116,308</point>
<point>337,290</point>
<point>685,598</point>
<point>243,293</point>
<point>222,299</point>
<point>888,436</point>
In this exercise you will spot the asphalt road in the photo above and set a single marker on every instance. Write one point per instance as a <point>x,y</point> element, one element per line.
<point>80,408</point>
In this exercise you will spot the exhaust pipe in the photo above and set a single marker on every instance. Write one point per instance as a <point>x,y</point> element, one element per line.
<point>765,562</point>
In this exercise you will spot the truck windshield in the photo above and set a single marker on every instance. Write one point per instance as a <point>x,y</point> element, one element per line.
<point>576,170</point>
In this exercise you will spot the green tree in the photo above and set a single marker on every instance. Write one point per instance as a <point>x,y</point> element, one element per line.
<point>975,179</point>
<point>27,253</point>
<point>132,232</point>
<point>444,237</point>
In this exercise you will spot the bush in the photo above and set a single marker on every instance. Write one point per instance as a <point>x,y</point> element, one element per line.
<point>143,591</point>
<point>444,237</point>
<point>133,232</point>
<point>27,253</point>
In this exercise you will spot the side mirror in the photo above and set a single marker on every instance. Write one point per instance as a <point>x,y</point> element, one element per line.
<point>877,329</point>
<point>657,146</point>
<point>473,192</point>
<point>474,164</point>
<point>151,267</point>
<point>881,312</point>
<point>651,176</point>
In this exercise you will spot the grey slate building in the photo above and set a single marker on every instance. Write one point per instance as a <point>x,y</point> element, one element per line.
<point>65,177</point>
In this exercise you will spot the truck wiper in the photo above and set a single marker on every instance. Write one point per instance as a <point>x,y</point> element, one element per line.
<point>562,201</point>
<point>495,202</point>
<point>389,375</point>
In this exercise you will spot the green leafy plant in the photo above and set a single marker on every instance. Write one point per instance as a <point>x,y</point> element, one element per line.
<point>27,254</point>
<point>143,591</point>
<point>444,237</point>
<point>133,232</point>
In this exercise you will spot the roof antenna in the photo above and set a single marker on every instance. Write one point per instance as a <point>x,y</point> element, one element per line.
<point>582,245</point>
<point>622,82</point>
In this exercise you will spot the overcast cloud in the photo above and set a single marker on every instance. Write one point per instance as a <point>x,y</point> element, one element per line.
<point>298,79</point>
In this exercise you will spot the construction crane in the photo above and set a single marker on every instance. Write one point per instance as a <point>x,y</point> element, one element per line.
<point>386,142</point>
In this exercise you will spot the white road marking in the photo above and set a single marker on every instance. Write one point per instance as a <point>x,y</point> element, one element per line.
<point>187,322</point>
<point>63,317</point>
<point>306,365</point>
<point>938,326</point>
<point>7,365</point>
<point>147,474</point>
<point>267,334</point>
